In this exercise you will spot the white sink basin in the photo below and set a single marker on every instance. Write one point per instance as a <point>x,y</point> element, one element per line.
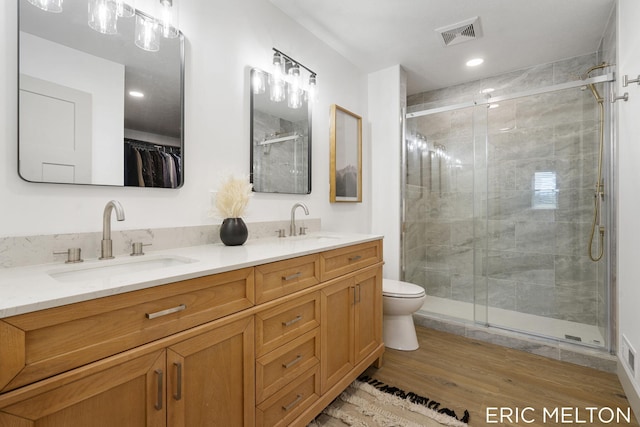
<point>116,267</point>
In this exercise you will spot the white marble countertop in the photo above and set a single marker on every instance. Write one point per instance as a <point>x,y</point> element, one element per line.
<point>37,287</point>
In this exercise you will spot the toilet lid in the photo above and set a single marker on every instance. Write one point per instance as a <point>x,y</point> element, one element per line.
<point>398,289</point>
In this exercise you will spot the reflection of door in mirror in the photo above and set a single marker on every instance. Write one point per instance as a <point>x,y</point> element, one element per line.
<point>56,134</point>
<point>280,144</point>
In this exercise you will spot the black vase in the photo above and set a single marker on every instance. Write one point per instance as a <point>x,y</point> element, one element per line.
<point>233,232</point>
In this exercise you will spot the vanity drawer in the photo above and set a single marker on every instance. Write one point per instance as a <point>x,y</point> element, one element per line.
<point>281,278</point>
<point>279,367</point>
<point>341,261</point>
<point>279,325</point>
<point>288,403</point>
<point>47,342</point>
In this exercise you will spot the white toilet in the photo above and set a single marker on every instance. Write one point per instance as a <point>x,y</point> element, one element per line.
<point>399,301</point>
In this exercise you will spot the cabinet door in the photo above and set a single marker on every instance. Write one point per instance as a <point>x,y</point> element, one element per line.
<point>131,394</point>
<point>211,379</point>
<point>337,302</point>
<point>368,313</point>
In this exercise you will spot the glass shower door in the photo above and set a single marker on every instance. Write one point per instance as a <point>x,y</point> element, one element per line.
<point>542,157</point>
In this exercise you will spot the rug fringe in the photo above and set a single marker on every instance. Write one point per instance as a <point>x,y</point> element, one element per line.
<point>413,397</point>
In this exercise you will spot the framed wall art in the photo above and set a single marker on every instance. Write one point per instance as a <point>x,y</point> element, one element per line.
<point>345,174</point>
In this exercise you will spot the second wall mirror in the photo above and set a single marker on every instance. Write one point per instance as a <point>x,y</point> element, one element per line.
<point>280,138</point>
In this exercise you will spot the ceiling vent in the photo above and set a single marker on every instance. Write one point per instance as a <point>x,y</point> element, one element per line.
<point>460,32</point>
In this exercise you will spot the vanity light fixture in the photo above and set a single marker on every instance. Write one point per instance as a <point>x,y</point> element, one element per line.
<point>286,81</point>
<point>294,95</point>
<point>258,82</point>
<point>54,6</point>
<point>169,18</point>
<point>103,16</point>
<point>146,33</point>
<point>125,9</point>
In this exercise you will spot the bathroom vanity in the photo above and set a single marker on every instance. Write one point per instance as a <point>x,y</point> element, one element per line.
<point>265,334</point>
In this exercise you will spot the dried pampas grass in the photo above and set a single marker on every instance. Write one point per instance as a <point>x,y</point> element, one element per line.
<point>232,197</point>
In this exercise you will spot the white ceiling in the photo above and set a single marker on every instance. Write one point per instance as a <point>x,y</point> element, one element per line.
<point>376,34</point>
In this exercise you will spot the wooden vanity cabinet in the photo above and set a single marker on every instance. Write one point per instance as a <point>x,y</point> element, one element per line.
<point>203,377</point>
<point>222,360</point>
<point>351,324</point>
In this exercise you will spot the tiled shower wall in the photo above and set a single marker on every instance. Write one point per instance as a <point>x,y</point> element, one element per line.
<point>503,197</point>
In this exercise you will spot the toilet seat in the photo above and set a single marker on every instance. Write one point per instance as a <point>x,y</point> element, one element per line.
<point>397,289</point>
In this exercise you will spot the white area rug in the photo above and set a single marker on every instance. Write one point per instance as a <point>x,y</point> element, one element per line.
<point>363,405</point>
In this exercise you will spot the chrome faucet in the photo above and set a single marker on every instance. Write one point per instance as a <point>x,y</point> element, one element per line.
<point>292,226</point>
<point>107,244</point>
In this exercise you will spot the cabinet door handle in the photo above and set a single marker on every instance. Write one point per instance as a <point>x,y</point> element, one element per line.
<point>292,276</point>
<point>158,404</point>
<point>355,258</point>
<point>178,394</point>
<point>294,403</point>
<point>292,321</point>
<point>293,362</point>
<point>165,312</point>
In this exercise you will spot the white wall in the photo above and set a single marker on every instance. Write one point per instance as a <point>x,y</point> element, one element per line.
<point>629,195</point>
<point>223,41</point>
<point>103,79</point>
<point>387,92</point>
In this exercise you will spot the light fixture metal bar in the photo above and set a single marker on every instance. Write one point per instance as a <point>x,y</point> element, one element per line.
<point>290,59</point>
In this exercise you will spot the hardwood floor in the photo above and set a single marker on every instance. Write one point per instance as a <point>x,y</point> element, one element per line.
<point>504,387</point>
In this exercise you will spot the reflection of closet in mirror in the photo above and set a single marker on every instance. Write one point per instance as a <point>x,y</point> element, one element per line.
<point>152,165</point>
<point>280,145</point>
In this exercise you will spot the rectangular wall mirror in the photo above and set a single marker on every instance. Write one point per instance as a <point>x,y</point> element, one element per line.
<point>95,108</point>
<point>280,137</point>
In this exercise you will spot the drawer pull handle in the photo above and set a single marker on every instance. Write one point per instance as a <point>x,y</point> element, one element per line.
<point>355,258</point>
<point>293,362</point>
<point>165,312</point>
<point>294,403</point>
<point>178,394</point>
<point>292,321</point>
<point>292,276</point>
<point>158,404</point>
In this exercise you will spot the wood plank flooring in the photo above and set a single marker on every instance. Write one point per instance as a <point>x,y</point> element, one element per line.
<point>462,373</point>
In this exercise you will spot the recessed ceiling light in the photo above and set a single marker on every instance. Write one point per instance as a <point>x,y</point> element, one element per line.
<point>136,94</point>
<point>474,62</point>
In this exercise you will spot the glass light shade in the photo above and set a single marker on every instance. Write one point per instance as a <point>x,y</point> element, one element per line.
<point>294,92</point>
<point>258,82</point>
<point>276,89</point>
<point>294,97</point>
<point>294,77</point>
<point>169,18</point>
<point>146,34</point>
<point>54,6</point>
<point>278,66</point>
<point>103,16</point>
<point>312,89</point>
<point>126,9</point>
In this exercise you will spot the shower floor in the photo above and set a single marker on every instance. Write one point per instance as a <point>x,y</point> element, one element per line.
<point>523,322</point>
